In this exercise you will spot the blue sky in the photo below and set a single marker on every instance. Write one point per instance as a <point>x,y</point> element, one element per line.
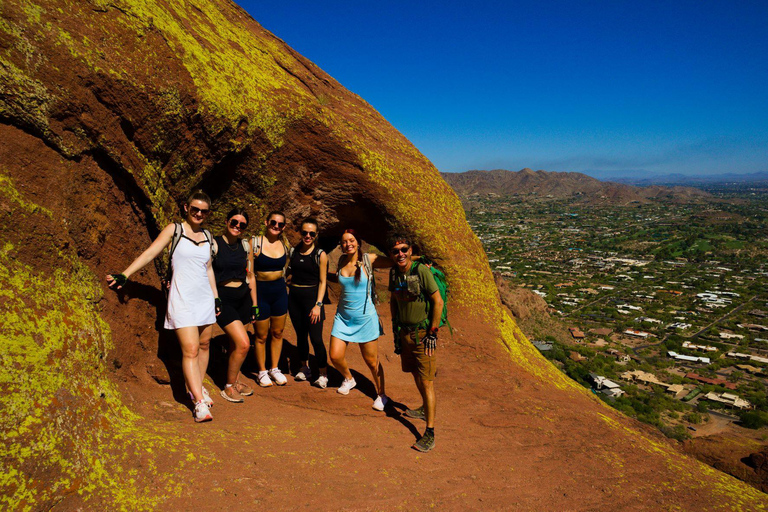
<point>597,86</point>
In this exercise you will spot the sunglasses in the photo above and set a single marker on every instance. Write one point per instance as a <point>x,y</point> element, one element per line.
<point>194,210</point>
<point>397,250</point>
<point>234,223</point>
<point>311,234</point>
<point>274,223</point>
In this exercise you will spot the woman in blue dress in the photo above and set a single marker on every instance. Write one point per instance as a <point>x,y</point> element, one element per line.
<point>356,320</point>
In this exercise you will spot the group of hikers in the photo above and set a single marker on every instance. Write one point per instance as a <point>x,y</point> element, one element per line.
<point>234,281</point>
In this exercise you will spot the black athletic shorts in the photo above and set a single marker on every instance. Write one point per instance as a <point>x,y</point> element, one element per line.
<point>235,305</point>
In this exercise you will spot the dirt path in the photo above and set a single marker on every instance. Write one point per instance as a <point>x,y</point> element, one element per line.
<point>503,443</point>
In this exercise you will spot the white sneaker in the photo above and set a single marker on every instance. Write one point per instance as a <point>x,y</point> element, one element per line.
<point>278,376</point>
<point>322,382</point>
<point>304,374</point>
<point>346,386</point>
<point>380,402</point>
<point>207,398</point>
<point>263,379</point>
<point>202,413</point>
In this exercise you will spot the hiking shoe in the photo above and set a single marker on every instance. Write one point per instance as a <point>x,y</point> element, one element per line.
<point>243,389</point>
<point>263,379</point>
<point>278,376</point>
<point>304,374</point>
<point>416,413</point>
<point>380,402</point>
<point>207,398</point>
<point>231,394</point>
<point>202,413</point>
<point>426,443</point>
<point>322,382</point>
<point>346,386</point>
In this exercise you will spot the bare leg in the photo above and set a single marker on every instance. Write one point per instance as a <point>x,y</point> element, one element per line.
<point>204,354</point>
<point>189,339</point>
<point>338,357</point>
<point>276,345</point>
<point>239,345</point>
<point>427,391</point>
<point>370,353</point>
<point>262,331</point>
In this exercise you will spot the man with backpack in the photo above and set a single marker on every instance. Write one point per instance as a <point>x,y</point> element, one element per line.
<point>417,306</point>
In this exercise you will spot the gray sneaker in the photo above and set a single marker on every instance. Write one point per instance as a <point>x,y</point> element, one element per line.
<point>426,443</point>
<point>416,413</point>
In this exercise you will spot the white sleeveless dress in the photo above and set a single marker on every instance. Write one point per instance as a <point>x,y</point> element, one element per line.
<point>190,298</point>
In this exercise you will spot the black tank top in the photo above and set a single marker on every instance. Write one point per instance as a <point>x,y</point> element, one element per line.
<point>304,269</point>
<point>230,261</point>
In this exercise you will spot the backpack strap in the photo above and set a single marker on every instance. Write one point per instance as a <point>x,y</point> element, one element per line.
<point>371,280</point>
<point>318,252</point>
<point>211,243</point>
<point>177,232</point>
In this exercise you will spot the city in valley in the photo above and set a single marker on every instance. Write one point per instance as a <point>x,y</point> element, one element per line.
<point>659,306</point>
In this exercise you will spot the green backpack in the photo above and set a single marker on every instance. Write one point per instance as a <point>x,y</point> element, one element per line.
<point>442,285</point>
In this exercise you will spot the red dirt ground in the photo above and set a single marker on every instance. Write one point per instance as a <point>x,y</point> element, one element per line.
<point>501,444</point>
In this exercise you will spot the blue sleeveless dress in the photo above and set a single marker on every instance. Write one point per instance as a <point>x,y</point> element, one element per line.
<point>356,320</point>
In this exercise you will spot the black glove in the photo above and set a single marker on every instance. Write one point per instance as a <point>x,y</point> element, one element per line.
<point>254,313</point>
<point>430,341</point>
<point>217,305</point>
<point>119,279</point>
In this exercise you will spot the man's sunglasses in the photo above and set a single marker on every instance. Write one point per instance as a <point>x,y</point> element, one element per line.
<point>234,223</point>
<point>194,210</point>
<point>311,234</point>
<point>274,223</point>
<point>397,250</point>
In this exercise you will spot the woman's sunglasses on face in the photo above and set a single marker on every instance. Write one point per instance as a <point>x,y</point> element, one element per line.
<point>310,234</point>
<point>279,225</point>
<point>234,223</point>
<point>194,210</point>
<point>397,250</point>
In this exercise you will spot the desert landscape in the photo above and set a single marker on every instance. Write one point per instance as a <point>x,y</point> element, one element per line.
<point>110,112</point>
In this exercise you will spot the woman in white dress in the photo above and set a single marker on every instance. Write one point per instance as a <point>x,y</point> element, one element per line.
<point>193,301</point>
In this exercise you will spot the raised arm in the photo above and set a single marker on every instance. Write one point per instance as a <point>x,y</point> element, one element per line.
<point>160,243</point>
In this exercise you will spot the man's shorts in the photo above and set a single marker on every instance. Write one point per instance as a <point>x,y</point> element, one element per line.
<point>413,358</point>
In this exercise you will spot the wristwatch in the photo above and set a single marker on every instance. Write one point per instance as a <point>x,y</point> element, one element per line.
<point>319,304</point>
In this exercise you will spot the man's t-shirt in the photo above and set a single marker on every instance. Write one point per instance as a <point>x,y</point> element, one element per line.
<point>411,293</point>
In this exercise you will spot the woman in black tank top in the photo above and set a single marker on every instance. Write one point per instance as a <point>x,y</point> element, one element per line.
<point>309,269</point>
<point>238,295</point>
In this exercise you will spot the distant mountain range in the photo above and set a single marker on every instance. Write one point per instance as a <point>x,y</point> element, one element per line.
<point>561,185</point>
<point>644,179</point>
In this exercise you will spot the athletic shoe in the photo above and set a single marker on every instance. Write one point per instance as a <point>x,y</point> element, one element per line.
<point>263,379</point>
<point>278,376</point>
<point>380,402</point>
<point>304,374</point>
<point>207,398</point>
<point>322,382</point>
<point>416,413</point>
<point>346,386</point>
<point>426,443</point>
<point>202,413</point>
<point>243,389</point>
<point>230,393</point>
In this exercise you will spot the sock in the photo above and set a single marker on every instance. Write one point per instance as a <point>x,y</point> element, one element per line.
<point>430,430</point>
<point>263,373</point>
<point>228,386</point>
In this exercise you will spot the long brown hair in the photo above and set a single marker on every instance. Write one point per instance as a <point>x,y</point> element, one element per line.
<point>359,252</point>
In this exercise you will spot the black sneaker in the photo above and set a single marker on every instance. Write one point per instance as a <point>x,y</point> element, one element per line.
<point>426,443</point>
<point>416,413</point>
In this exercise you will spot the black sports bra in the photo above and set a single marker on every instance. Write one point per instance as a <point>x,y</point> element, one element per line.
<point>264,263</point>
